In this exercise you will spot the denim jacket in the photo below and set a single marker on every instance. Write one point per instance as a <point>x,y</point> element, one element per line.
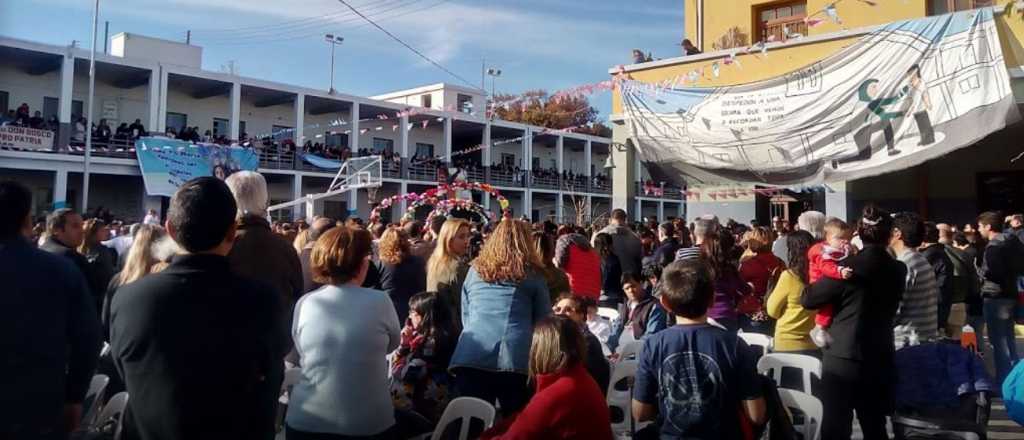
<point>497,322</point>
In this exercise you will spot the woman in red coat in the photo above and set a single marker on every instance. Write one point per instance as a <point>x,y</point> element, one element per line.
<point>567,404</point>
<point>759,267</point>
<point>581,263</point>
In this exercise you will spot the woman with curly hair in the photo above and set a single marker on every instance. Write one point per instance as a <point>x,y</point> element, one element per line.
<point>402,274</point>
<point>503,296</point>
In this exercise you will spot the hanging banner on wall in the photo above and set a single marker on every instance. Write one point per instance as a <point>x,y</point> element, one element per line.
<point>905,93</point>
<point>168,163</point>
<point>25,138</point>
<point>321,162</point>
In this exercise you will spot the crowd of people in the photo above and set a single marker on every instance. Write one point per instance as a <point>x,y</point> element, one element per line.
<point>102,135</point>
<point>203,312</point>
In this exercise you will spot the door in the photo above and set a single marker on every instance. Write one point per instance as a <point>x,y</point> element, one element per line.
<point>176,121</point>
<point>51,107</point>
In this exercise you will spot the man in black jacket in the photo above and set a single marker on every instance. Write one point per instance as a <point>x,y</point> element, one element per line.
<point>1001,271</point>
<point>64,234</point>
<point>935,253</point>
<point>50,334</point>
<point>666,251</point>
<point>857,368</point>
<point>199,347</point>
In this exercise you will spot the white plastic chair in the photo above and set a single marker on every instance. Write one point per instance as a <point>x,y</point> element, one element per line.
<point>608,313</point>
<point>810,406</point>
<point>763,341</point>
<point>463,409</point>
<point>771,365</point>
<point>291,377</point>
<point>629,350</point>
<point>113,414</point>
<point>94,398</point>
<point>620,395</point>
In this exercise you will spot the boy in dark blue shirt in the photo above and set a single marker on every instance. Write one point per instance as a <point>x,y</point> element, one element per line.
<point>693,377</point>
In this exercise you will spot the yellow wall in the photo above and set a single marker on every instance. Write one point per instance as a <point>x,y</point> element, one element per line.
<point>722,15</point>
<point>756,67</point>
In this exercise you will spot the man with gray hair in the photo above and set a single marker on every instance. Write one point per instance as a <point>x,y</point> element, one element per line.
<point>259,253</point>
<point>813,222</point>
<point>701,230</point>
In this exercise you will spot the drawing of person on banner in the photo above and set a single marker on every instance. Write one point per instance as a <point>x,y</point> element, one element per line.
<point>917,90</point>
<point>879,106</point>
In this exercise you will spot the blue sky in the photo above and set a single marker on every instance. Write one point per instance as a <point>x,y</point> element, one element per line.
<point>551,44</point>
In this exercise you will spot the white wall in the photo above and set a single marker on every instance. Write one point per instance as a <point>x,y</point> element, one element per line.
<point>514,148</point>
<point>261,120</point>
<point>546,155</point>
<point>201,111</point>
<point>575,161</point>
<point>132,103</point>
<point>22,87</point>
<point>164,51</point>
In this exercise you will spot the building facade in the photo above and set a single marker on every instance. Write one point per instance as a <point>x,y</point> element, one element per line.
<point>161,84</point>
<point>951,188</point>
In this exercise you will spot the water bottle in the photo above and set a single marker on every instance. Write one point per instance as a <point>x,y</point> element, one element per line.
<point>969,339</point>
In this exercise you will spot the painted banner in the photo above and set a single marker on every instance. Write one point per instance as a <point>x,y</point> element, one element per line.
<point>905,93</point>
<point>25,138</point>
<point>168,163</point>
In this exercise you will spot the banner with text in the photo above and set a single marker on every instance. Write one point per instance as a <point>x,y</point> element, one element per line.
<point>168,163</point>
<point>905,93</point>
<point>25,138</point>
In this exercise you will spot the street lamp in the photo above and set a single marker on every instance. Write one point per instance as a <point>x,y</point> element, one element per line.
<point>494,74</point>
<point>333,40</point>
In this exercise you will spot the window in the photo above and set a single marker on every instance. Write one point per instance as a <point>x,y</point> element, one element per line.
<point>51,107</point>
<point>774,19</point>
<point>381,145</point>
<point>535,163</point>
<point>336,140</point>
<point>508,159</point>
<point>425,101</point>
<point>77,108</point>
<point>465,103</point>
<point>241,128</point>
<point>4,97</point>
<point>939,7</point>
<point>176,121</point>
<point>221,127</point>
<point>424,150</point>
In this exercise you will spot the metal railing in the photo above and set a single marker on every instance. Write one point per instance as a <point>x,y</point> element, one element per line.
<point>775,30</point>
<point>601,186</point>
<point>544,182</point>
<point>277,160</point>
<point>422,171</point>
<point>392,169</point>
<point>506,178</point>
<point>658,191</point>
<point>476,175</point>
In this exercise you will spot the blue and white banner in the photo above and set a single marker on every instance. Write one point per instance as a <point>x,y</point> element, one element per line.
<point>168,163</point>
<point>902,94</point>
<point>320,162</point>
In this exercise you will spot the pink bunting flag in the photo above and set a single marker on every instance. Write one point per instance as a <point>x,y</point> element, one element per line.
<point>425,123</point>
<point>382,116</point>
<point>394,128</point>
<point>714,196</point>
<point>812,22</point>
<point>363,130</point>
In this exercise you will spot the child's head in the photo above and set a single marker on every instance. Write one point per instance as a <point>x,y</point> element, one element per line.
<point>428,312</point>
<point>687,288</point>
<point>837,233</point>
<point>633,285</point>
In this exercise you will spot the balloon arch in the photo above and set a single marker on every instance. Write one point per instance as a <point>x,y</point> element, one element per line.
<point>443,200</point>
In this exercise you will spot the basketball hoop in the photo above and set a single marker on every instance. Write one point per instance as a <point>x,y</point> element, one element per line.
<point>372,194</point>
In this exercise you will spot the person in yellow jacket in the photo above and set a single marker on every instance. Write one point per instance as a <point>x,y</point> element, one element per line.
<point>794,323</point>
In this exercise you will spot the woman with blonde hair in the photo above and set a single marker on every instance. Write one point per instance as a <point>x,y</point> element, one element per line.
<point>503,296</point>
<point>568,402</point>
<point>301,240</point>
<point>151,248</point>
<point>447,267</point>
<point>402,274</point>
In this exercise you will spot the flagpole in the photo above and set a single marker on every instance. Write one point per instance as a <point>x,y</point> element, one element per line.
<point>92,105</point>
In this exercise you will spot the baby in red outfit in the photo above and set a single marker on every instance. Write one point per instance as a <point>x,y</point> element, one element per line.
<point>826,260</point>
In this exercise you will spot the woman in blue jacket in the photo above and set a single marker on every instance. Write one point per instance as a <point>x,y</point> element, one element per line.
<point>503,296</point>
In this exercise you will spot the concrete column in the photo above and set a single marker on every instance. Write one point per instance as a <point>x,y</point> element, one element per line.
<point>161,122</point>
<point>67,81</point>
<point>296,194</point>
<point>353,202</point>
<point>486,141</point>
<point>661,210</point>
<point>403,137</point>
<point>448,139</point>
<point>560,207</point>
<point>624,175</point>
<point>402,203</point>
<point>527,151</point>
<point>236,109</point>
<point>587,161</point>
<point>487,201</point>
<point>528,203</point>
<point>60,189</point>
<point>681,210</point>
<point>153,96</point>
<point>638,214</point>
<point>836,202</point>
<point>559,149</point>
<point>300,119</point>
<point>353,124</point>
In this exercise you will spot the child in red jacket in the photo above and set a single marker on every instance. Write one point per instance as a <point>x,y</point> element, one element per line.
<point>825,260</point>
<point>568,404</point>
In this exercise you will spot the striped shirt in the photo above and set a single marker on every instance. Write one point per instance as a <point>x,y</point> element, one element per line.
<point>687,253</point>
<point>917,319</point>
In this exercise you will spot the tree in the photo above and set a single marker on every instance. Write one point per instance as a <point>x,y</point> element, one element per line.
<point>536,107</point>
